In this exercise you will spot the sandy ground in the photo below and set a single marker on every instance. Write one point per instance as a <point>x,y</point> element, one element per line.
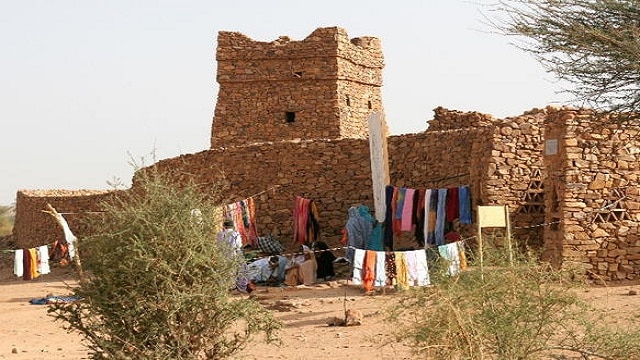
<point>27,332</point>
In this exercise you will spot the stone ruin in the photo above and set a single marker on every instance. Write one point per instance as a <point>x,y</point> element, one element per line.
<point>291,120</point>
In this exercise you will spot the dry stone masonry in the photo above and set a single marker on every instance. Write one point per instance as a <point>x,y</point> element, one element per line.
<point>291,120</point>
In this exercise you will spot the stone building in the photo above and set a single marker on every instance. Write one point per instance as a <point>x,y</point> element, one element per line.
<point>290,120</point>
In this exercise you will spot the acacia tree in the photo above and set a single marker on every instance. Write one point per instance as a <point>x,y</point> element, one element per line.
<point>158,282</point>
<point>592,44</point>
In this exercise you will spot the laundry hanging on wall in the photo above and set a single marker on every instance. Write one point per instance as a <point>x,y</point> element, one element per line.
<point>428,213</point>
<point>306,227</point>
<point>243,215</point>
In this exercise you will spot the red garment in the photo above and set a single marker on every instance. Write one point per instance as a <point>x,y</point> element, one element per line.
<point>252,232</point>
<point>369,270</point>
<point>300,219</point>
<point>452,205</point>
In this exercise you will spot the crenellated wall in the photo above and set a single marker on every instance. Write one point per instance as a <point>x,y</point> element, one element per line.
<point>322,87</point>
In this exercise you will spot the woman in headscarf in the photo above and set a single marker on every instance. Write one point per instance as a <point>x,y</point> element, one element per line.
<point>303,268</point>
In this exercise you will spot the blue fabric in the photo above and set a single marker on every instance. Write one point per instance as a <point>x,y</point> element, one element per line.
<point>375,242</point>
<point>441,216</point>
<point>400,202</point>
<point>359,228</point>
<point>433,208</point>
<point>464,199</point>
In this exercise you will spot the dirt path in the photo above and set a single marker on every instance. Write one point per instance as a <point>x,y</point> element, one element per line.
<point>27,332</point>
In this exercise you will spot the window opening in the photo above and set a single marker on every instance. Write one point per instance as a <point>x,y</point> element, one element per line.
<point>348,101</point>
<point>369,104</point>
<point>290,117</point>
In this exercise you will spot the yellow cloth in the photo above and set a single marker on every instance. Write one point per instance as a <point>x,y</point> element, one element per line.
<point>402,271</point>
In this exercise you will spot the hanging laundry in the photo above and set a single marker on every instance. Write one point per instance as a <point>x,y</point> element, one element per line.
<point>381,274</point>
<point>419,216</point>
<point>390,268</point>
<point>402,272</point>
<point>464,198</point>
<point>30,264</point>
<point>441,216</point>
<point>432,216</point>
<point>18,265</point>
<point>68,235</point>
<point>407,211</point>
<point>453,204</point>
<point>388,219</point>
<point>422,266</point>
<point>376,241</point>
<point>358,264</point>
<point>43,260</point>
<point>306,226</point>
<point>369,270</point>
<point>412,267</point>
<point>451,255</point>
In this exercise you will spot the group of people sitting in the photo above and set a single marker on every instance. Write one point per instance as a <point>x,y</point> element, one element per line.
<point>304,268</point>
<point>271,268</point>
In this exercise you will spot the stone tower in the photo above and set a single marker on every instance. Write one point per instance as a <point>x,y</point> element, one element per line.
<point>322,87</point>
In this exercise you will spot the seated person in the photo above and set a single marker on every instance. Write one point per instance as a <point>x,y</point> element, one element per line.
<point>269,270</point>
<point>302,269</point>
<point>325,259</point>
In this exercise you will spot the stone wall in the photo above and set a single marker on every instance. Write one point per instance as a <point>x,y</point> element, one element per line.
<point>33,227</point>
<point>594,168</point>
<point>337,174</point>
<point>322,87</point>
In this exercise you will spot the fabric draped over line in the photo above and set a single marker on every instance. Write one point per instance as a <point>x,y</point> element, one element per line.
<point>403,269</point>
<point>306,228</point>
<point>243,215</point>
<point>31,263</point>
<point>428,213</point>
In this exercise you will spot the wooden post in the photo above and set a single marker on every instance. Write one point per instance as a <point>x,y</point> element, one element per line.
<point>480,248</point>
<point>379,162</point>
<point>508,230</point>
<point>69,238</point>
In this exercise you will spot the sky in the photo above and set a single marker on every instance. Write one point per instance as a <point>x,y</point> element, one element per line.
<point>91,89</point>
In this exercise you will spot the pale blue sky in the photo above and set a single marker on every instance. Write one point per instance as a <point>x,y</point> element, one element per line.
<point>85,83</point>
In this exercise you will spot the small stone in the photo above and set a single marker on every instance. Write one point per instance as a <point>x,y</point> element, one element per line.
<point>633,292</point>
<point>14,351</point>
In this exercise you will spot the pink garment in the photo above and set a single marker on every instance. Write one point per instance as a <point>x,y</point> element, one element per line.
<point>407,211</point>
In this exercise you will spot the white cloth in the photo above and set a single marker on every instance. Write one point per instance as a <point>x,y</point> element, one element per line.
<point>450,253</point>
<point>422,268</point>
<point>412,267</point>
<point>18,269</point>
<point>381,274</point>
<point>43,260</point>
<point>358,260</point>
<point>68,236</point>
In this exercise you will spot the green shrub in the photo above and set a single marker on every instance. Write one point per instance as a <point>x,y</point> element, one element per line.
<point>158,281</point>
<point>526,311</point>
